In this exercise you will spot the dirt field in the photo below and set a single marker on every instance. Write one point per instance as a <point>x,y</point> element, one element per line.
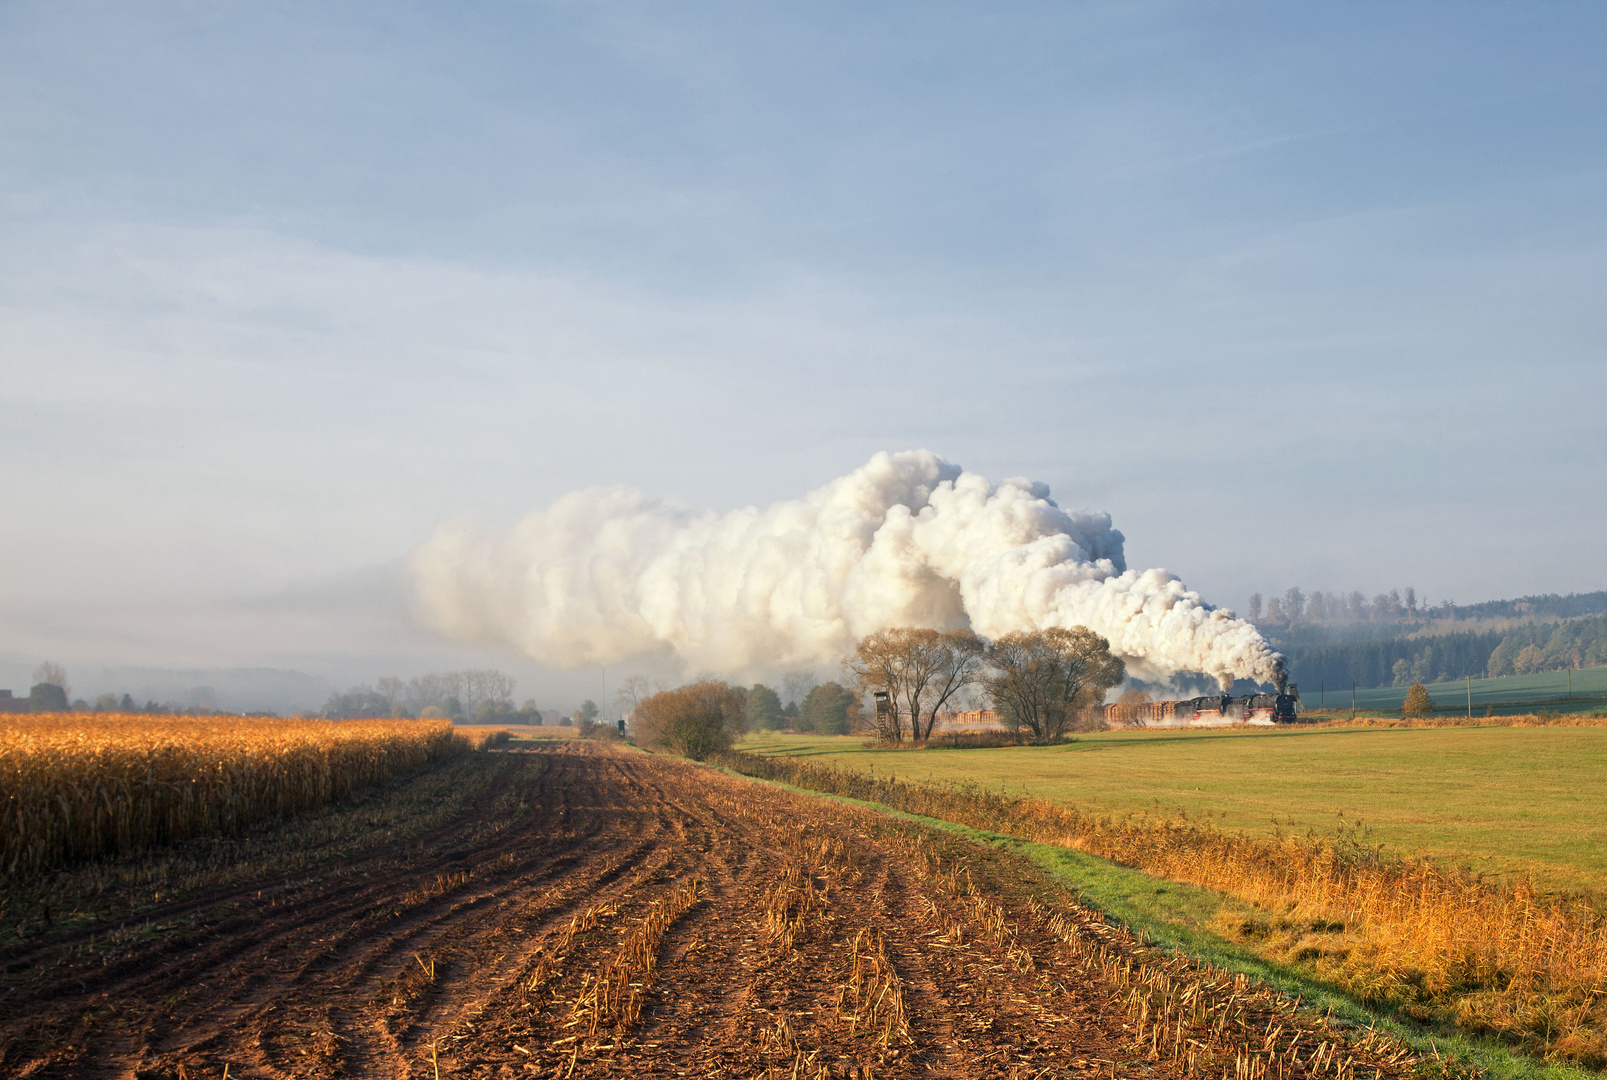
<point>571,911</point>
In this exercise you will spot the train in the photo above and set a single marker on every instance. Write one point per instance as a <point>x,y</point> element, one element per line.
<point>1279,708</point>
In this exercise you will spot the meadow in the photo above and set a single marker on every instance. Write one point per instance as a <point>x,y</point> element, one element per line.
<point>1507,802</point>
<point>1583,690</point>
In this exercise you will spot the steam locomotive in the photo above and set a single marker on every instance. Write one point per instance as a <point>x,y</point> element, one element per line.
<point>1279,708</point>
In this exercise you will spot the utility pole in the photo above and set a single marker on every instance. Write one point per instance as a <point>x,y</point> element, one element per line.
<point>1353,699</point>
<point>1470,696</point>
<point>1322,695</point>
<point>1570,682</point>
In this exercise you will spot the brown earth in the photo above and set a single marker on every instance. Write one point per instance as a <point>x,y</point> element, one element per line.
<point>576,911</point>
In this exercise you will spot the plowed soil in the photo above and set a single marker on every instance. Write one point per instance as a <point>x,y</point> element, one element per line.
<point>576,912</point>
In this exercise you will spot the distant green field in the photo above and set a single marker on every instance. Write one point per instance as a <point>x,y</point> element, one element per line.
<point>1505,801</point>
<point>1516,692</point>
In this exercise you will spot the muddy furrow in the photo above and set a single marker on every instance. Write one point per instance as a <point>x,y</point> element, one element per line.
<point>445,963</point>
<point>253,954</point>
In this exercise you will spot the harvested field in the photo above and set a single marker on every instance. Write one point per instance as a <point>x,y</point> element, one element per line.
<point>581,911</point>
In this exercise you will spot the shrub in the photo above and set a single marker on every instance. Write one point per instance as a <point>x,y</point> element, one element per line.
<point>694,721</point>
<point>47,698</point>
<point>1418,703</point>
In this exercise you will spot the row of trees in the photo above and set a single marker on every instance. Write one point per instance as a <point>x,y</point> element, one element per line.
<point>705,718</point>
<point>1326,609</point>
<point>1294,608</point>
<point>1039,681</point>
<point>52,692</point>
<point>481,694</point>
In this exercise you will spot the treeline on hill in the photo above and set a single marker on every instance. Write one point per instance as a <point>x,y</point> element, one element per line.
<point>1295,609</point>
<point>1403,660</point>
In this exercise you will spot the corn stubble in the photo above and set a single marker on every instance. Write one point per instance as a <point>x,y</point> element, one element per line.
<point>1436,943</point>
<point>78,788</point>
<point>612,997</point>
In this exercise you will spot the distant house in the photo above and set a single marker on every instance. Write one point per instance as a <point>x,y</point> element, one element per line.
<point>12,704</point>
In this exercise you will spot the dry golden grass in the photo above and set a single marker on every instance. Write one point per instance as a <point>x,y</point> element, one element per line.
<point>77,787</point>
<point>1435,942</point>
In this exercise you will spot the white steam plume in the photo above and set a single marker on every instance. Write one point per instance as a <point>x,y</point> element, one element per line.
<point>907,540</point>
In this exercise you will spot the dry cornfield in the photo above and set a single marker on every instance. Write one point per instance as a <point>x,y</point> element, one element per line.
<point>584,911</point>
<point>79,787</point>
<point>1437,943</point>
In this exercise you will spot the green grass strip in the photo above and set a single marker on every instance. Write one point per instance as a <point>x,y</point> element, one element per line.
<point>1174,916</point>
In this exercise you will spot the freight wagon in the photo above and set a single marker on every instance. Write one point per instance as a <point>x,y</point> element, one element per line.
<point>1281,708</point>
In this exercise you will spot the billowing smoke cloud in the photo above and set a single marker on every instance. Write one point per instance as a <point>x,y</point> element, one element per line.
<point>907,540</point>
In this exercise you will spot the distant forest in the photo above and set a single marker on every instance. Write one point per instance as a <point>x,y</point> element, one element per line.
<point>1418,651</point>
<point>1294,610</point>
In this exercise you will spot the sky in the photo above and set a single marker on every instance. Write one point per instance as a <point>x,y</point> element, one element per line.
<point>1300,294</point>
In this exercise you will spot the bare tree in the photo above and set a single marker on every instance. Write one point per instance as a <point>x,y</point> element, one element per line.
<point>1255,607</point>
<point>394,690</point>
<point>51,673</point>
<point>1039,679</point>
<point>470,688</point>
<point>795,685</point>
<point>631,692</point>
<point>480,686</point>
<point>892,661</point>
<point>957,657</point>
<point>919,670</point>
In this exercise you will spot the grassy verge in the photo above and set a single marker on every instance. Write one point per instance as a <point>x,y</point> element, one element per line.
<point>1178,917</point>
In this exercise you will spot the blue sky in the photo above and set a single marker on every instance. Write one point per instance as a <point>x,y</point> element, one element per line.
<point>1300,294</point>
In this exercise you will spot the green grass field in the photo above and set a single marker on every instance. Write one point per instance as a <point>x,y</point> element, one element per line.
<point>1506,695</point>
<point>1505,801</point>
